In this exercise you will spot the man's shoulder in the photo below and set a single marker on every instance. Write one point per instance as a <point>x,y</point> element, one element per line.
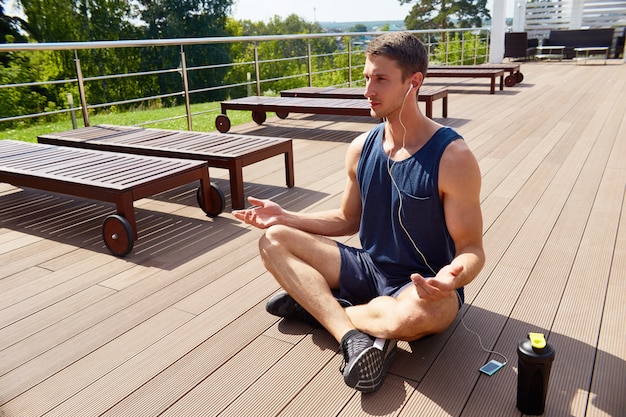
<point>457,150</point>
<point>448,133</point>
<point>359,141</point>
<point>458,164</point>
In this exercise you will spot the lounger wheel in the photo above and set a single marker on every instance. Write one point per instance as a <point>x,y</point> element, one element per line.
<point>222,123</point>
<point>510,80</point>
<point>282,114</point>
<point>118,235</point>
<point>216,198</point>
<point>259,117</point>
<point>519,77</point>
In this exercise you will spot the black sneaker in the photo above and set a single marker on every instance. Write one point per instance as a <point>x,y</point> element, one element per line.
<point>365,360</point>
<point>283,305</point>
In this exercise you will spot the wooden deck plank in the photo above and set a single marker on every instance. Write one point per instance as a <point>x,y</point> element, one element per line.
<point>144,366</point>
<point>227,383</point>
<point>588,281</point>
<point>610,368</point>
<point>68,340</point>
<point>553,267</point>
<point>179,328</point>
<point>50,395</point>
<point>91,338</point>
<point>46,317</point>
<point>270,392</point>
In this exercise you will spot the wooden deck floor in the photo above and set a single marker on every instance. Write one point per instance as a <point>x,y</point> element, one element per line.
<point>178,328</point>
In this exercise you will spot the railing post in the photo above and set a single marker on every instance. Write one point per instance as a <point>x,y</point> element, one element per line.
<point>183,68</point>
<point>81,90</point>
<point>447,41</point>
<point>462,48</point>
<point>430,42</point>
<point>256,68</point>
<point>310,63</point>
<point>476,35</point>
<point>349,61</point>
<point>248,86</point>
<point>70,102</point>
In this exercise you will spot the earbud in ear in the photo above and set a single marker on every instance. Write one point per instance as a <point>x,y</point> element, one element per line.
<point>408,91</point>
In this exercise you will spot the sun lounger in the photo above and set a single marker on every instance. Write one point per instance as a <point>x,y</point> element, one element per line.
<point>449,72</point>
<point>232,152</point>
<point>515,76</point>
<point>282,106</point>
<point>105,176</point>
<point>426,94</point>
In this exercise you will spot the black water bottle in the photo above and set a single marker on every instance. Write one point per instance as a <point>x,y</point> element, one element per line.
<point>535,358</point>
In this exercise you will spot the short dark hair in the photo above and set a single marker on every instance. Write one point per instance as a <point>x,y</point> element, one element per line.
<point>403,47</point>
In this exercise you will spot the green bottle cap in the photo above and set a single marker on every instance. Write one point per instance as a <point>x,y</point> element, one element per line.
<point>537,340</point>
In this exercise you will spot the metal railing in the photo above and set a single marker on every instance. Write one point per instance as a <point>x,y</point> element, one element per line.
<point>451,46</point>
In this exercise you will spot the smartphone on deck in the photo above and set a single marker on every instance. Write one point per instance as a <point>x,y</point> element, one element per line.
<point>491,367</point>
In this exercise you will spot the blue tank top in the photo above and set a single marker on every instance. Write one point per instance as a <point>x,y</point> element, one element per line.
<point>381,234</point>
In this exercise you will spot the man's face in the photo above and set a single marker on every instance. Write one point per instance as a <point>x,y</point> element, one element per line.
<point>384,88</point>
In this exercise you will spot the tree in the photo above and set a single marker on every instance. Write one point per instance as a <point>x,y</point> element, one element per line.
<point>87,20</point>
<point>359,27</point>
<point>11,27</point>
<point>441,14</point>
<point>11,30</point>
<point>284,57</point>
<point>170,19</point>
<point>109,20</point>
<point>27,67</point>
<point>79,20</point>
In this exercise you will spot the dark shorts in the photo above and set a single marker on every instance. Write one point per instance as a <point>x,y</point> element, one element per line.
<point>360,280</point>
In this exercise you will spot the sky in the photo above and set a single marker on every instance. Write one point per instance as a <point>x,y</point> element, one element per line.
<point>321,10</point>
<point>327,10</point>
<point>318,10</point>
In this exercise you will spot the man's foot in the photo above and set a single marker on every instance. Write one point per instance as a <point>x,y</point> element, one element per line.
<point>365,360</point>
<point>283,305</point>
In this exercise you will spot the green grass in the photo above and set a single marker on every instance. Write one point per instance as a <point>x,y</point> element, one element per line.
<point>203,121</point>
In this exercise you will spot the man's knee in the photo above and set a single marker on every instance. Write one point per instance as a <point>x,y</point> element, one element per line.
<point>275,238</point>
<point>416,323</point>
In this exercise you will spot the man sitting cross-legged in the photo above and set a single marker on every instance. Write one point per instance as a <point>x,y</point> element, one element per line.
<point>412,193</point>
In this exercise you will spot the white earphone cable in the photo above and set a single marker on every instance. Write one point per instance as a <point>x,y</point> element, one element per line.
<point>395,184</point>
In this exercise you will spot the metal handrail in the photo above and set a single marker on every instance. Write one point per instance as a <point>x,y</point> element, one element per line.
<point>183,69</point>
<point>60,46</point>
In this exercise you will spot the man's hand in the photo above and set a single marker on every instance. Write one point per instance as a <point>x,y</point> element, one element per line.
<point>440,286</point>
<point>264,214</point>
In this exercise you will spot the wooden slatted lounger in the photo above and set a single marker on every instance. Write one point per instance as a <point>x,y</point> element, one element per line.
<point>426,94</point>
<point>470,73</point>
<point>282,106</point>
<point>232,152</point>
<point>515,75</point>
<point>104,176</point>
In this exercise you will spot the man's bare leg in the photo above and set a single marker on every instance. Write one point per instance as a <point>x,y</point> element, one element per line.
<point>307,267</point>
<point>406,317</point>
